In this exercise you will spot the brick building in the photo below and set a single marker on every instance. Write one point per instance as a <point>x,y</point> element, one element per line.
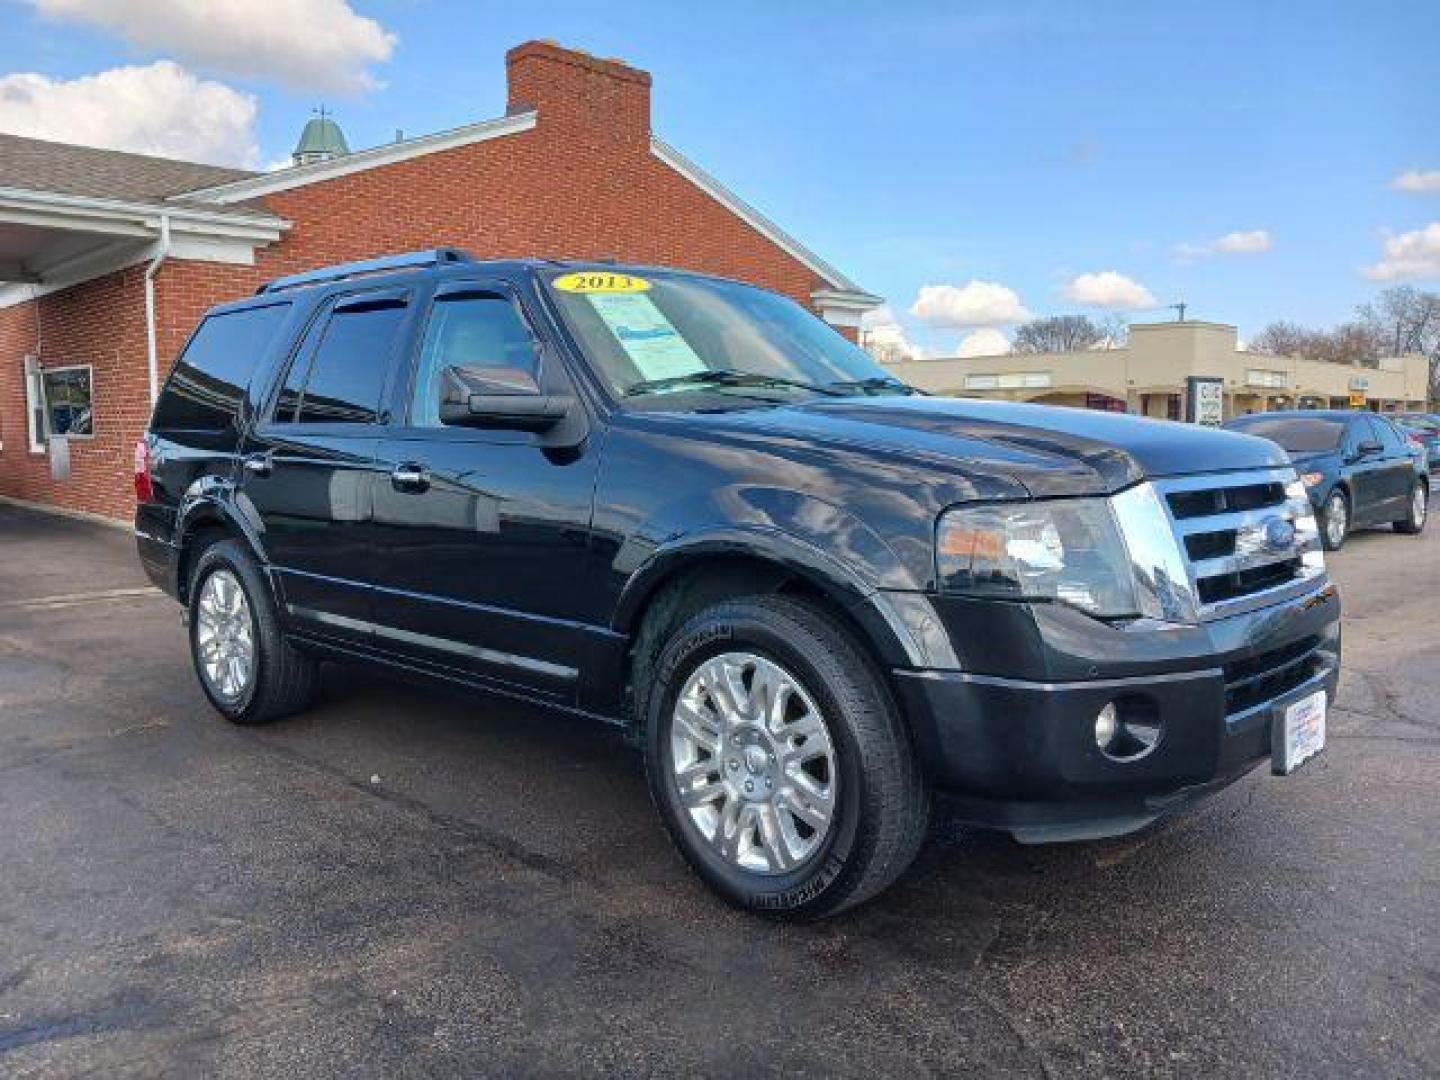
<point>108,259</point>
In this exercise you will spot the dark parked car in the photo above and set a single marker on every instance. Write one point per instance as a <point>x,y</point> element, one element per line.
<point>1359,468</point>
<point>1425,429</point>
<point>686,506</point>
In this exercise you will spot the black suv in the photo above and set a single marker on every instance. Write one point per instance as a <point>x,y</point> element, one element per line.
<point>684,505</point>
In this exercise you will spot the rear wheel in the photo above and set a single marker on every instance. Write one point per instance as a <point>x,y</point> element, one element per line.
<point>778,759</point>
<point>1335,520</point>
<point>1414,521</point>
<point>247,669</point>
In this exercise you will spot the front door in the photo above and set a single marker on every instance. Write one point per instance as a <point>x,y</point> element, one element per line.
<point>307,468</point>
<point>483,533</point>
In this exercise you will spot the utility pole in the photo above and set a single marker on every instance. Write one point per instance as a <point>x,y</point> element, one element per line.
<point>1180,307</point>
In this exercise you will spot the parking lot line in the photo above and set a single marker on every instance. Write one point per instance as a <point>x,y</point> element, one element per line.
<point>45,603</point>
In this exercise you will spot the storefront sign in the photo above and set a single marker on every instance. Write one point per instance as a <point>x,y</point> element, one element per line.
<point>1204,400</point>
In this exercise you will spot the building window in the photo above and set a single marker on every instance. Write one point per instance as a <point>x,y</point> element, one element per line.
<point>67,401</point>
<point>1275,380</point>
<point>1019,380</point>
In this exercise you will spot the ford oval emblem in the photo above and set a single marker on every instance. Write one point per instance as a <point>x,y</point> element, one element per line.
<point>1278,534</point>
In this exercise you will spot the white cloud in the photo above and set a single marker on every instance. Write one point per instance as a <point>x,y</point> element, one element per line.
<point>986,341</point>
<point>976,303</point>
<point>885,339</point>
<point>311,44</point>
<point>1417,181</point>
<point>1243,242</point>
<point>161,109</point>
<point>1108,289</point>
<point>1409,256</point>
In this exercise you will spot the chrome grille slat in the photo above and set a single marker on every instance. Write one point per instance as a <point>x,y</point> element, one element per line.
<point>1226,550</point>
<point>1234,564</point>
<point>1238,519</point>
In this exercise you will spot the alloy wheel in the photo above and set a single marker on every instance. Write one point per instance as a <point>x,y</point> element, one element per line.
<point>1336,513</point>
<point>754,763</point>
<point>225,635</point>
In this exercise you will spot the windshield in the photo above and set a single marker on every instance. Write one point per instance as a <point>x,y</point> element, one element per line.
<point>664,333</point>
<point>1298,435</point>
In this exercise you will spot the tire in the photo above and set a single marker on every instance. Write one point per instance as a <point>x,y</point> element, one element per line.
<point>278,679</point>
<point>878,796</point>
<point>1414,521</point>
<point>1335,520</point>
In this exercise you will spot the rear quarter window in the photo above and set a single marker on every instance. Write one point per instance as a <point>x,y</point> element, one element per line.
<point>203,392</point>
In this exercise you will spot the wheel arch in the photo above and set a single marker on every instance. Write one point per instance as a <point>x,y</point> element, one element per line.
<point>739,562</point>
<point>201,517</point>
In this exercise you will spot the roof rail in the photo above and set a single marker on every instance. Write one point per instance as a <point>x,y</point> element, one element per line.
<point>410,260</point>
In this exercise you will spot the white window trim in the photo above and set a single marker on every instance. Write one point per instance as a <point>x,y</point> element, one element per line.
<point>33,387</point>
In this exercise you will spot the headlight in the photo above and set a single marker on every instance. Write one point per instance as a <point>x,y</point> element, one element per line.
<point>1310,479</point>
<point>1066,550</point>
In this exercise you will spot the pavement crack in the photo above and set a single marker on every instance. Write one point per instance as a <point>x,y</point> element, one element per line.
<point>1389,701</point>
<point>500,843</point>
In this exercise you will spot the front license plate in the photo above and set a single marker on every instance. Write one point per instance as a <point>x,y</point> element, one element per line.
<point>1297,733</point>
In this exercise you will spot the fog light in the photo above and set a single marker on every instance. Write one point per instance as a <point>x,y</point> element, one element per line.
<point>1107,726</point>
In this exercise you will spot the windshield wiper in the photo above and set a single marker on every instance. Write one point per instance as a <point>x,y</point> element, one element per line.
<point>884,384</point>
<point>724,378</point>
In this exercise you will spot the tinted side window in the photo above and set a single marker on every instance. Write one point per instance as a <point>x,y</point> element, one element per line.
<point>342,379</point>
<point>204,390</point>
<point>471,330</point>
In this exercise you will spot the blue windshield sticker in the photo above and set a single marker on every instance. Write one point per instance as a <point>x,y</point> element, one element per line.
<point>649,339</point>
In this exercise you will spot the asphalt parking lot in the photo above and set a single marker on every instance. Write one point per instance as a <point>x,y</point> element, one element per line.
<point>405,881</point>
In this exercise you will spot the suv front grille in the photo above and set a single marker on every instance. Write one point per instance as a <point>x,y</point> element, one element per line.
<point>1244,537</point>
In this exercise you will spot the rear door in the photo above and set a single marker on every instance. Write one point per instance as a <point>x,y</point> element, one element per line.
<point>1366,471</point>
<point>484,532</point>
<point>307,467</point>
<point>1398,473</point>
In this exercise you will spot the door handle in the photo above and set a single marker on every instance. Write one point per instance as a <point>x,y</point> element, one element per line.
<point>410,477</point>
<point>258,464</point>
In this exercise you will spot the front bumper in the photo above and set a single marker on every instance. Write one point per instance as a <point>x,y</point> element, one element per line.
<point>1018,752</point>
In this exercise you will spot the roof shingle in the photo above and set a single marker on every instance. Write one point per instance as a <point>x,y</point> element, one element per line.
<point>62,168</point>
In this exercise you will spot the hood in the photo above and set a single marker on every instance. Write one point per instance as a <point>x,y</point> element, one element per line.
<point>1050,450</point>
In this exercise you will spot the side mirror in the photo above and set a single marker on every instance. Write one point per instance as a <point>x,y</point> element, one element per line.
<point>498,397</point>
<point>1368,448</point>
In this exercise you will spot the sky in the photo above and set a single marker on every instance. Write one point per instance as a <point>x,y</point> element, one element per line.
<point>976,164</point>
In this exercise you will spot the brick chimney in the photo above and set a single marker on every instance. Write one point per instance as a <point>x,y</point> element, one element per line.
<point>580,95</point>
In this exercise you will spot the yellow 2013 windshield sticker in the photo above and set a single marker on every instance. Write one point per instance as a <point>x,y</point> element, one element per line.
<point>600,281</point>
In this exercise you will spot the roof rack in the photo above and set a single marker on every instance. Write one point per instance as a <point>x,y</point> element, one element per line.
<point>410,260</point>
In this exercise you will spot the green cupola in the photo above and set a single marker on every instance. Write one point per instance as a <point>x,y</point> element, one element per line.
<point>321,140</point>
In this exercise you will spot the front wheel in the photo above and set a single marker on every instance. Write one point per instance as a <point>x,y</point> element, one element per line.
<point>1414,521</point>
<point>778,759</point>
<point>1335,520</point>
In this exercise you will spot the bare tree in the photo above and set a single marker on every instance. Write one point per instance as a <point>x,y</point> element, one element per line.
<point>1348,343</point>
<point>1058,333</point>
<point>1406,320</point>
<point>1283,339</point>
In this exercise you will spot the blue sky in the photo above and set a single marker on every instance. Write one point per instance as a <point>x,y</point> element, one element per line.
<point>1017,144</point>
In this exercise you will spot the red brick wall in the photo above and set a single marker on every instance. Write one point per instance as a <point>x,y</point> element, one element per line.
<point>582,184</point>
<point>101,323</point>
